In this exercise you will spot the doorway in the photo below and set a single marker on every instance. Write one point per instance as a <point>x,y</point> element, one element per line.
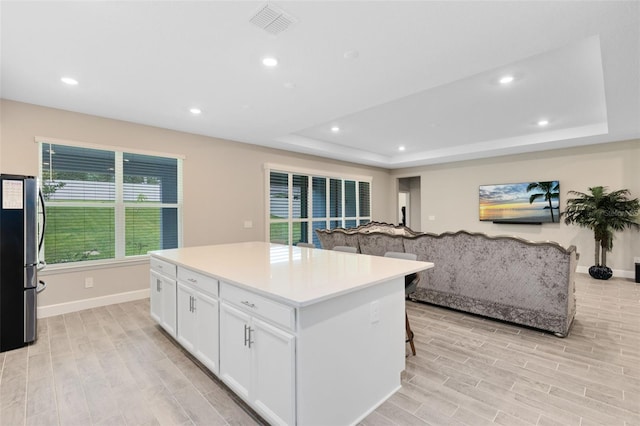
<point>409,209</point>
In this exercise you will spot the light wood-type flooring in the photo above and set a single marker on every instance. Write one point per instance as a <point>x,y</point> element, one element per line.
<point>113,366</point>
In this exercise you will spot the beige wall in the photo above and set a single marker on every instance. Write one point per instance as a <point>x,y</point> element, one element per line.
<point>450,194</point>
<point>223,184</point>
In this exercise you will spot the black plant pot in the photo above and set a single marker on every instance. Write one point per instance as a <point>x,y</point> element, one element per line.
<point>600,272</point>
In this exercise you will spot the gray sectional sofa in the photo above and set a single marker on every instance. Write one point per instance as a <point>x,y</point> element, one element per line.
<point>503,277</point>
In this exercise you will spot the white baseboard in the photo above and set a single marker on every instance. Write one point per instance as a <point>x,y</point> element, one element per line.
<point>618,273</point>
<point>79,305</point>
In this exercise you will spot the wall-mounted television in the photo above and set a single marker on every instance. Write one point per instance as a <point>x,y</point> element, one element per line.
<point>526,202</point>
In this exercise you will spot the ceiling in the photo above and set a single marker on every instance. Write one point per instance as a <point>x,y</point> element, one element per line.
<point>423,75</point>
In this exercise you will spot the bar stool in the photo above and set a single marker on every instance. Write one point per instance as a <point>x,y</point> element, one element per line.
<point>410,284</point>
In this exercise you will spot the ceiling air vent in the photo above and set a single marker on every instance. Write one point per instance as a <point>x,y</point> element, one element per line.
<point>272,19</point>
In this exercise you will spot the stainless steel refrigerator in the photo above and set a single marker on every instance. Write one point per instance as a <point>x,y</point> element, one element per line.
<point>22,220</point>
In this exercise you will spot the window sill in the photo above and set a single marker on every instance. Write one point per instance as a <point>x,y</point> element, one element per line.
<point>64,268</point>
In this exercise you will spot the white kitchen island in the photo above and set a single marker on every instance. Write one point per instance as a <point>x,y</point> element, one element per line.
<point>304,336</point>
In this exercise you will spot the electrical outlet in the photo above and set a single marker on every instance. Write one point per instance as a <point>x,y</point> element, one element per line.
<point>374,315</point>
<point>88,282</point>
<point>248,224</point>
<point>431,217</point>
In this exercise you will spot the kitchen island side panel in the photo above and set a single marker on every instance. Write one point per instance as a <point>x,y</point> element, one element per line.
<point>350,354</point>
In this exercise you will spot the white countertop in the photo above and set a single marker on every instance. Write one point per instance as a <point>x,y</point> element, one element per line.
<point>297,276</point>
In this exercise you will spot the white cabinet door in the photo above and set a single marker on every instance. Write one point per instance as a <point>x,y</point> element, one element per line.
<point>206,308</point>
<point>257,361</point>
<point>273,373</point>
<point>156,297</point>
<point>163,302</point>
<point>234,349</point>
<point>186,331</point>
<point>169,306</point>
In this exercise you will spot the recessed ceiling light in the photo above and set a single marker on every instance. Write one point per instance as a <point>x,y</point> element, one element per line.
<point>195,111</point>
<point>335,129</point>
<point>351,54</point>
<point>270,62</point>
<point>543,123</point>
<point>70,81</point>
<point>506,79</point>
<point>401,148</point>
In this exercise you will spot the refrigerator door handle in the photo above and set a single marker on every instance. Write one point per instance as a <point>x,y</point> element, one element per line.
<point>44,222</point>
<point>30,224</point>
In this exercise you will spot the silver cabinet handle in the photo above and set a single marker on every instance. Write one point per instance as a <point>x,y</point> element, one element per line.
<point>250,341</point>
<point>192,280</point>
<point>247,335</point>
<point>247,303</point>
<point>194,305</point>
<point>158,285</point>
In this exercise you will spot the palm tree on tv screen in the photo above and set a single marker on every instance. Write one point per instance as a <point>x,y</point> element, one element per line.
<point>550,191</point>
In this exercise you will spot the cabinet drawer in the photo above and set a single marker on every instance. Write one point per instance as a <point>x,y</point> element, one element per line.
<point>198,280</point>
<point>275,312</point>
<point>163,267</point>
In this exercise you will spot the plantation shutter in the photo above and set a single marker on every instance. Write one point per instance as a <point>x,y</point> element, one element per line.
<point>335,201</point>
<point>300,208</point>
<point>364,195</point>
<point>279,207</point>
<point>319,198</point>
<point>350,204</point>
<point>300,197</point>
<point>319,193</point>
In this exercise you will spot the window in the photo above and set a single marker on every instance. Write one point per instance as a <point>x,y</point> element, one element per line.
<point>104,204</point>
<point>301,202</point>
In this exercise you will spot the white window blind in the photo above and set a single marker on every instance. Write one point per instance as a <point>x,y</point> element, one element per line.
<point>104,204</point>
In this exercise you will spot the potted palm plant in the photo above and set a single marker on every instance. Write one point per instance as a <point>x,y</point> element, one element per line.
<point>604,213</point>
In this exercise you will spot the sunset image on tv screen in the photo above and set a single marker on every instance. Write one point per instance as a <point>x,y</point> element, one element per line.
<point>534,202</point>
